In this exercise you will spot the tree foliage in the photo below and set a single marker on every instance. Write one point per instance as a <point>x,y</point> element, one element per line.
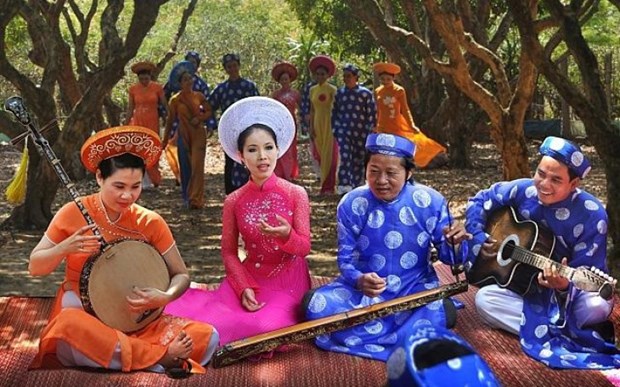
<point>586,95</point>
<point>61,82</point>
<point>70,59</point>
<point>257,30</point>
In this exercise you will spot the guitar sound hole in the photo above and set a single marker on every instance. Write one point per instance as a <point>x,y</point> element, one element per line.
<point>508,249</point>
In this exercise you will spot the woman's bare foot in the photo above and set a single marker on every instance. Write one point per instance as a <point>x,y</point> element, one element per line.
<point>179,348</point>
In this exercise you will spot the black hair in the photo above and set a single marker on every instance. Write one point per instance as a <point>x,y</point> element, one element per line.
<point>405,162</point>
<point>251,129</point>
<point>144,71</point>
<point>124,161</point>
<point>322,67</point>
<point>572,175</point>
<point>181,75</point>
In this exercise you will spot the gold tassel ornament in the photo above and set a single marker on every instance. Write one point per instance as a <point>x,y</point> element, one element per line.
<point>16,191</point>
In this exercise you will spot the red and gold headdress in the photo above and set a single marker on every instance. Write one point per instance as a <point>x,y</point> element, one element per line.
<point>137,140</point>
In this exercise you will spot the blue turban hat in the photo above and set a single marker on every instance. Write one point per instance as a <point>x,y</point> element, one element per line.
<point>351,68</point>
<point>193,54</point>
<point>389,144</point>
<point>433,356</point>
<point>567,153</point>
<point>229,58</point>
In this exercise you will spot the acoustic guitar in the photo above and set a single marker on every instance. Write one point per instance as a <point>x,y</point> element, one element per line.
<point>523,250</point>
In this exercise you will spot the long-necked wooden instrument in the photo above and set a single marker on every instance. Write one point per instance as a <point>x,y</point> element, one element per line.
<point>243,348</point>
<point>523,249</point>
<point>108,277</point>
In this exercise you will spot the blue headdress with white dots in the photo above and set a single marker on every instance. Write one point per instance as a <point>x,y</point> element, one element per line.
<point>193,54</point>
<point>230,58</point>
<point>568,153</point>
<point>351,68</point>
<point>389,144</point>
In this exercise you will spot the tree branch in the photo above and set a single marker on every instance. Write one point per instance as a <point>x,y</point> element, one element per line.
<point>191,7</point>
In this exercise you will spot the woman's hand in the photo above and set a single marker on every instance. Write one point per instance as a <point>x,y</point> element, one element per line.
<point>456,234</point>
<point>371,284</point>
<point>248,300</point>
<point>142,299</point>
<point>78,243</point>
<point>282,230</point>
<point>551,278</point>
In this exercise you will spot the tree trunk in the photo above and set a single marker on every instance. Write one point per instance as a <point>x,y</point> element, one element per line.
<point>513,148</point>
<point>613,210</point>
<point>84,110</point>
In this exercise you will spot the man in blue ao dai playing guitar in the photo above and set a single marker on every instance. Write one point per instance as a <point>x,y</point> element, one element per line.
<point>558,323</point>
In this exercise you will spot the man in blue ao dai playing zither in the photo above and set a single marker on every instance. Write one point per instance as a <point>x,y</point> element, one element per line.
<point>386,230</point>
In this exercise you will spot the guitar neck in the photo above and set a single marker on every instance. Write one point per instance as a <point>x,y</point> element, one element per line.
<point>528,257</point>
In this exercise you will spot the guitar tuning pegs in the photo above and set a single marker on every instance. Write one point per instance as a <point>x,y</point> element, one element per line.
<point>609,278</point>
<point>596,270</point>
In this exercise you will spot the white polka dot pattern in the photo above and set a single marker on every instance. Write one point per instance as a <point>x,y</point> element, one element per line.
<point>513,192</point>
<point>397,363</point>
<point>576,158</point>
<point>359,206</point>
<point>578,230</point>
<point>393,240</point>
<point>545,353</point>
<point>317,303</point>
<point>393,283</point>
<point>386,140</point>
<point>373,327</point>
<point>431,223</point>
<point>541,330</point>
<point>406,216</point>
<point>408,260</point>
<point>376,219</point>
<point>530,192</point>
<point>455,363</point>
<point>562,213</point>
<point>374,348</point>
<point>421,198</point>
<point>601,227</point>
<point>352,341</point>
<point>591,205</point>
<point>377,262</point>
<point>556,144</point>
<point>343,294</point>
<point>422,239</point>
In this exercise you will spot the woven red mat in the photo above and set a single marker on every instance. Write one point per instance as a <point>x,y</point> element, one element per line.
<point>22,318</point>
<point>502,352</point>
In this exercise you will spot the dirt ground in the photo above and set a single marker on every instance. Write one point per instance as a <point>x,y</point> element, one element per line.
<point>198,232</point>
